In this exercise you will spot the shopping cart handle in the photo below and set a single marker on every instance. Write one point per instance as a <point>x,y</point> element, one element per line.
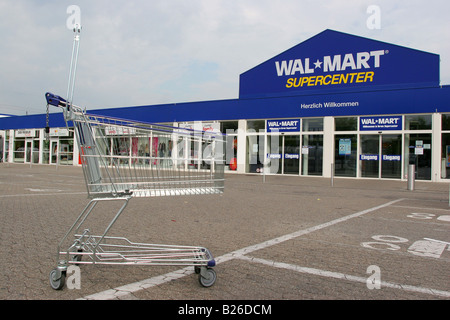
<point>55,100</point>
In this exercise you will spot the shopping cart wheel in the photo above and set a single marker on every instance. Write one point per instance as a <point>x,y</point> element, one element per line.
<point>57,279</point>
<point>207,277</point>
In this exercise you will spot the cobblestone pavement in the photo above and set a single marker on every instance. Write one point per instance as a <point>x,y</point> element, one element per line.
<point>285,238</point>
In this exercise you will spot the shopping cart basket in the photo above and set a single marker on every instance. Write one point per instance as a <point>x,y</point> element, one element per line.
<point>122,159</point>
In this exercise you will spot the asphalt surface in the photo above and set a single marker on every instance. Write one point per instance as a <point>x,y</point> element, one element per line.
<point>289,238</point>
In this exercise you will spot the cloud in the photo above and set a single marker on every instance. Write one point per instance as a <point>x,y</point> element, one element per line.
<point>162,51</point>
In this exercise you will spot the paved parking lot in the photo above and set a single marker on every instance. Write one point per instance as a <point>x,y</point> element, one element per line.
<point>286,238</point>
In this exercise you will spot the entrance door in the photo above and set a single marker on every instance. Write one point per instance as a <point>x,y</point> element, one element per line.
<point>380,156</point>
<point>369,156</point>
<point>312,155</point>
<point>28,151</point>
<point>391,159</point>
<point>291,156</point>
<point>54,152</point>
<point>418,149</point>
<point>283,153</point>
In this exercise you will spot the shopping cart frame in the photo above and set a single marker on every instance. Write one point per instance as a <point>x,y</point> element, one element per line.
<point>113,177</point>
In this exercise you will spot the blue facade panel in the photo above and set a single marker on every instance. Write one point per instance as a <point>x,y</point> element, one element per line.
<point>404,101</point>
<point>335,61</point>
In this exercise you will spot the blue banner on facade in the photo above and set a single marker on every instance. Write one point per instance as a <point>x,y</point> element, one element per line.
<point>380,123</point>
<point>350,62</point>
<point>283,125</point>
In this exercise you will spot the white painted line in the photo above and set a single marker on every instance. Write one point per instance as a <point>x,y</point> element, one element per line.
<point>420,208</point>
<point>342,276</point>
<point>41,194</point>
<point>145,284</point>
<point>299,233</point>
<point>444,218</point>
<point>125,290</point>
<point>428,248</point>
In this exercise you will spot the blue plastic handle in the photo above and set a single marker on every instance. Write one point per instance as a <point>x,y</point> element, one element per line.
<point>55,100</point>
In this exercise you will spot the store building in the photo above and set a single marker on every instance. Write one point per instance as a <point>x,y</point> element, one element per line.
<point>335,104</point>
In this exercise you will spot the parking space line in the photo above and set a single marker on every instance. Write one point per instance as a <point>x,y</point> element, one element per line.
<point>342,276</point>
<point>420,208</point>
<point>148,283</point>
<point>42,194</point>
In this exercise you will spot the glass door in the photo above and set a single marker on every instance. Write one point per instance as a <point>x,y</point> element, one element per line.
<point>369,156</point>
<point>291,155</point>
<point>418,152</point>
<point>274,154</point>
<point>345,155</point>
<point>28,151</point>
<point>53,151</point>
<point>391,159</point>
<point>312,154</point>
<point>380,156</point>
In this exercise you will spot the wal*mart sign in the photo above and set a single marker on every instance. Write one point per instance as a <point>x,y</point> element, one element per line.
<point>346,68</point>
<point>380,123</point>
<point>285,125</point>
<point>334,60</point>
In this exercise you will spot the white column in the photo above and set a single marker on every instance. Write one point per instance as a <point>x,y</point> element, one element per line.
<point>328,145</point>
<point>436,144</point>
<point>11,145</point>
<point>76,151</point>
<point>241,146</point>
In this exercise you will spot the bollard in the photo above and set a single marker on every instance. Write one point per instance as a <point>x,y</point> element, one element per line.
<point>332,174</point>
<point>411,176</point>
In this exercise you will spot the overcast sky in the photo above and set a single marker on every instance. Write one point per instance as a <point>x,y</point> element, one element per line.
<point>141,52</point>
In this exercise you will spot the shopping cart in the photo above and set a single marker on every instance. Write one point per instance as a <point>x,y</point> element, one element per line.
<point>122,159</point>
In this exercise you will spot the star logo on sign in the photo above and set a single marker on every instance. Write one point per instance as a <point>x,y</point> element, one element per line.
<point>318,64</point>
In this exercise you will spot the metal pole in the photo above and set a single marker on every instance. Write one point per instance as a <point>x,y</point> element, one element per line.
<point>411,176</point>
<point>264,171</point>
<point>332,174</point>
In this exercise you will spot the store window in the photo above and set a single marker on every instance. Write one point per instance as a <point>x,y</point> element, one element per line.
<point>345,155</point>
<point>445,156</point>
<point>418,122</point>
<point>6,146</point>
<point>346,124</point>
<point>1,146</point>
<point>230,129</point>
<point>121,149</point>
<point>256,125</point>
<point>313,124</point>
<point>445,122</point>
<point>255,153</point>
<point>445,147</point>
